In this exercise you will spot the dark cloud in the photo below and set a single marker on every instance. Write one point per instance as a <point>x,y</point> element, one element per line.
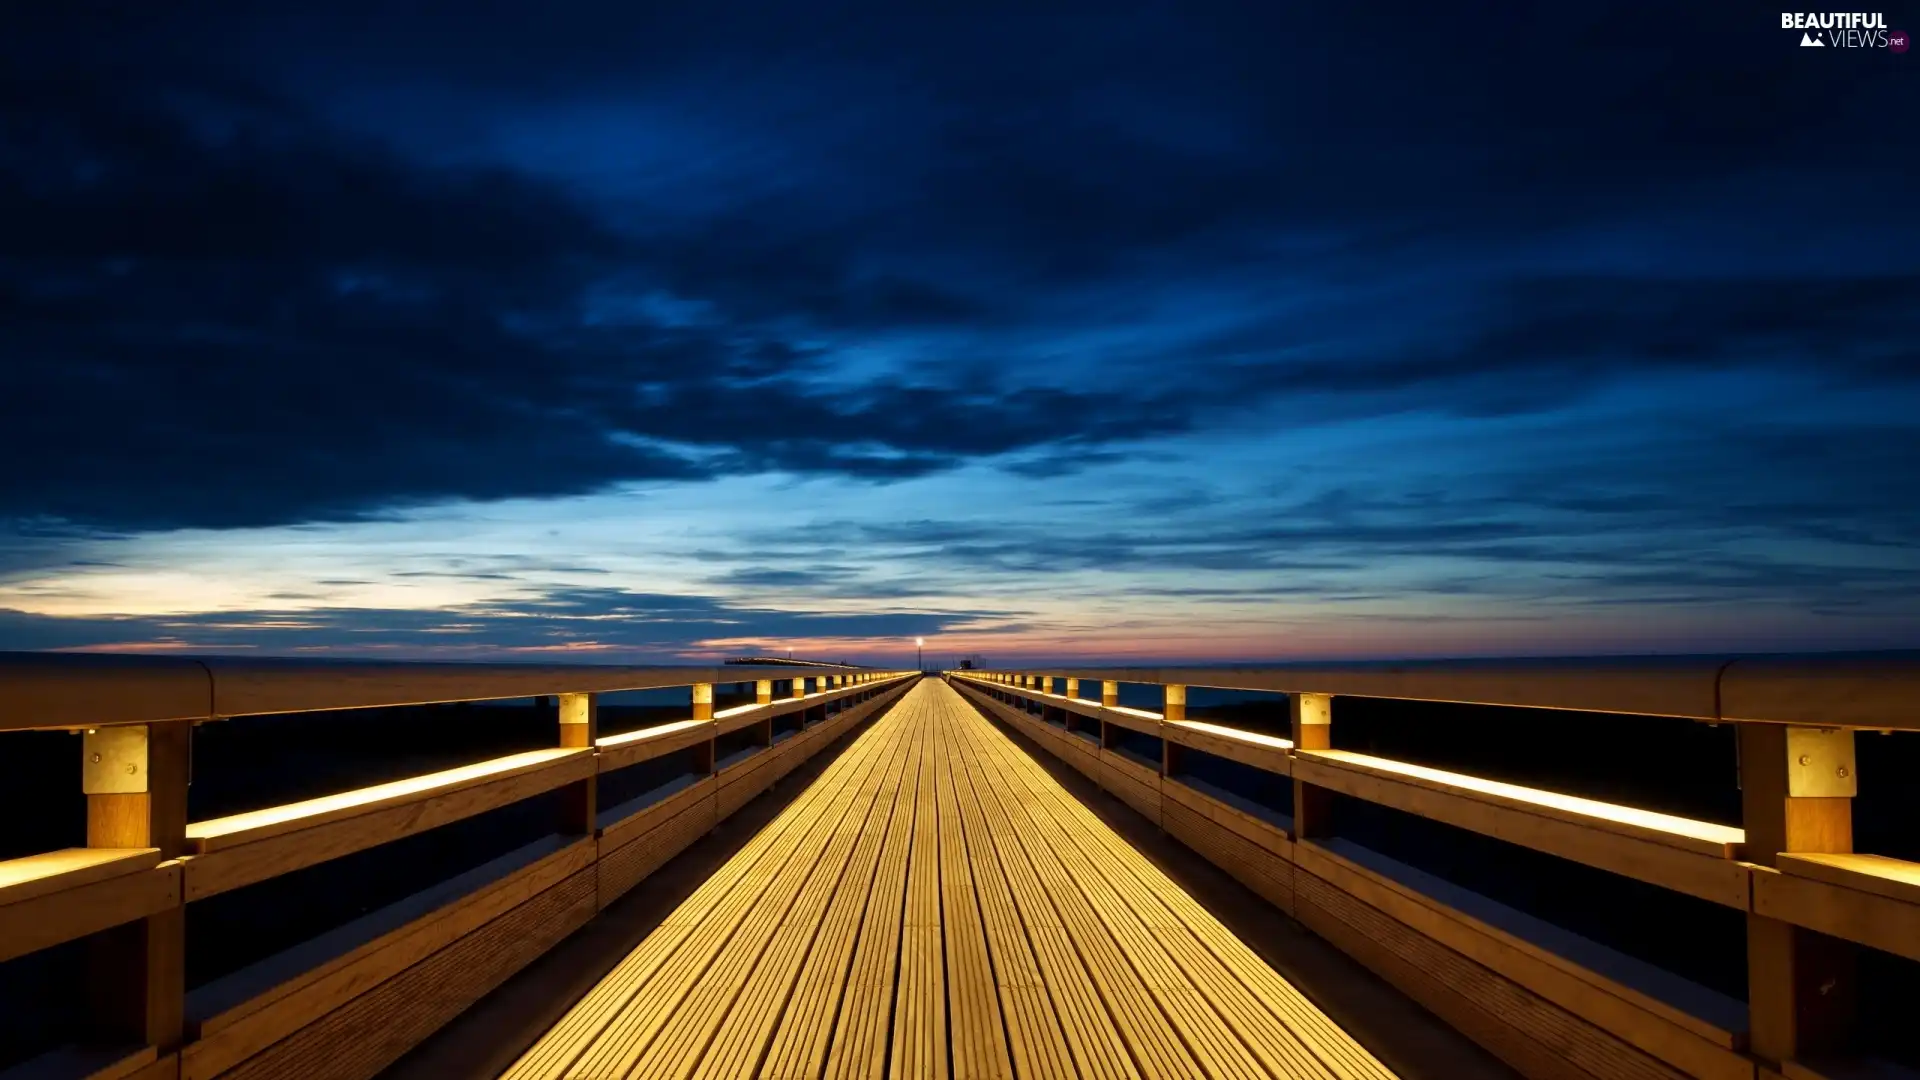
<point>303,263</point>
<point>774,577</point>
<point>597,624</point>
<point>223,313</point>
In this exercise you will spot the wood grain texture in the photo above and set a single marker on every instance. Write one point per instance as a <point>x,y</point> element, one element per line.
<point>1262,752</point>
<point>1719,879</point>
<point>1244,826</point>
<point>1802,985</point>
<point>624,866</point>
<point>1253,866</point>
<point>1536,1037</point>
<point>1824,691</point>
<point>1651,686</point>
<point>1857,915</point>
<point>633,747</point>
<point>1687,1042</point>
<point>934,906</point>
<point>57,871</point>
<point>363,1036</point>
<point>256,687</point>
<point>74,690</point>
<point>1533,1032</point>
<point>255,826</point>
<point>243,1029</point>
<point>1122,779</point>
<point>615,833</point>
<point>1895,879</point>
<point>52,918</point>
<point>234,860</point>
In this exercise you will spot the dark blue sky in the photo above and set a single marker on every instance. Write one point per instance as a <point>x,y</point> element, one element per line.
<point>630,331</point>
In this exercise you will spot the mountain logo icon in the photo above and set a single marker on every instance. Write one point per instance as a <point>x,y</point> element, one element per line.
<point>1807,40</point>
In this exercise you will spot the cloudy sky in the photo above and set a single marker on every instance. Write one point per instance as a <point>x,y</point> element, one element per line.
<point>618,331</point>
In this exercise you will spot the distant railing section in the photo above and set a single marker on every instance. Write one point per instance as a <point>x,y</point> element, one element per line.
<point>1540,997</point>
<point>351,1001</point>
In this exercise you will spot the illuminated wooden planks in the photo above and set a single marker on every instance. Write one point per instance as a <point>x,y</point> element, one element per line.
<point>793,1003</point>
<point>933,905</point>
<point>729,895</point>
<point>1228,1029</point>
<point>563,1045</point>
<point>978,1029</point>
<point>1285,1023</point>
<point>709,933</point>
<point>761,985</point>
<point>860,1043</point>
<point>1097,1047</point>
<point>803,1035</point>
<point>1156,1039</point>
<point>920,998</point>
<point>717,1025</point>
<point>1036,1042</point>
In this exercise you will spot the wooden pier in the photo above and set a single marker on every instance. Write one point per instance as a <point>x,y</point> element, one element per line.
<point>935,903</point>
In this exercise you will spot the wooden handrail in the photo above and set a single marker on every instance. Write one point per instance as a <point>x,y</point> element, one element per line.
<point>518,903</point>
<point>1866,690</point>
<point>1866,899</point>
<point>68,690</point>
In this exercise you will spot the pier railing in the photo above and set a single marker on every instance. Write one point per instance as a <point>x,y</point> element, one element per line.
<point>355,998</point>
<point>1550,1003</point>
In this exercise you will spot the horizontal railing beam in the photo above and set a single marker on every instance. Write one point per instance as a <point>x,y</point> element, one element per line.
<point>94,893</point>
<point>63,690</point>
<point>1807,897</point>
<point>1866,690</point>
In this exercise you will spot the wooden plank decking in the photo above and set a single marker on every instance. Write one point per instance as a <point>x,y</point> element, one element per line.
<point>935,905</point>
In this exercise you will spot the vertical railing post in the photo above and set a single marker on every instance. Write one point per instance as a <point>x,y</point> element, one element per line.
<point>579,727</point>
<point>702,701</point>
<point>135,779</point>
<point>1173,709</point>
<point>1796,795</point>
<point>763,692</point>
<point>1073,689</point>
<point>1109,693</point>
<point>1312,716</point>
<point>800,686</point>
